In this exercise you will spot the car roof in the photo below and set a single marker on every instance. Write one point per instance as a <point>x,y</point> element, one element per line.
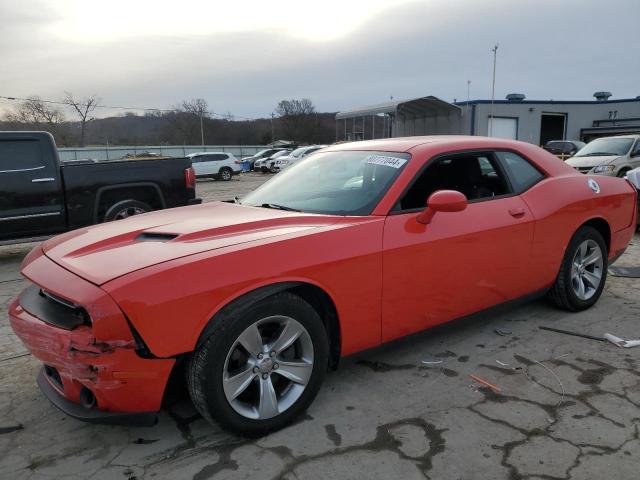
<point>406,144</point>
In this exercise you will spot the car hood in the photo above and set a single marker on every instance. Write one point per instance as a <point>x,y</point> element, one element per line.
<point>104,252</point>
<point>592,161</point>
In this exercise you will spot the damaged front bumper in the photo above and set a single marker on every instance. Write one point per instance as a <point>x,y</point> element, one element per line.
<point>92,370</point>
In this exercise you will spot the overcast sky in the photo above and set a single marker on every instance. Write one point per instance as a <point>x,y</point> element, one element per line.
<point>245,57</point>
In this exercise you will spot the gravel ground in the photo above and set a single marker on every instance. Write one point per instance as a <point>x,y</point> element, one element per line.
<point>567,406</point>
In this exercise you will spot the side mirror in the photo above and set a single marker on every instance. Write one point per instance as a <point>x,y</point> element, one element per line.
<point>442,201</point>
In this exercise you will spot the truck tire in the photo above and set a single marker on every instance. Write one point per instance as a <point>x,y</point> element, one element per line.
<point>125,209</point>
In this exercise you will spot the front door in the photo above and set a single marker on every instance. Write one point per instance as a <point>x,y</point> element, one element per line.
<point>459,263</point>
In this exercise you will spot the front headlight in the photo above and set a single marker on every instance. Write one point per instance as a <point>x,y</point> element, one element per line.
<point>604,169</point>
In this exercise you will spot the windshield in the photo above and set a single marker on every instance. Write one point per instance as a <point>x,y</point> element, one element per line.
<point>606,146</point>
<point>281,153</point>
<point>335,183</point>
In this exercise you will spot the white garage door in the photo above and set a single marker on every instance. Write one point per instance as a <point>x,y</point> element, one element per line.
<point>504,128</point>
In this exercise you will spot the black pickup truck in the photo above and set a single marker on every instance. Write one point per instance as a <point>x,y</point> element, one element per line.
<point>41,196</point>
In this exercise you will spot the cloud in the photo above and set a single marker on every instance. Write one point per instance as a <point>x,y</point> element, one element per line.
<point>548,49</point>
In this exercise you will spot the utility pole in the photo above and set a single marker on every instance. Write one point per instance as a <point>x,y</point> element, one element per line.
<point>468,89</point>
<point>201,128</point>
<point>272,134</point>
<point>493,86</point>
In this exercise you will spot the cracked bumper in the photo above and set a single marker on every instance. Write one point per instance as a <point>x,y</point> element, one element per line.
<point>100,357</point>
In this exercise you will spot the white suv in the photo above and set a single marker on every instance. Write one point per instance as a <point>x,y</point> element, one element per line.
<point>219,165</point>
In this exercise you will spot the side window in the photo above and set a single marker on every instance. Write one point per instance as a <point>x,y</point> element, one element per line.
<point>476,176</point>
<point>20,155</point>
<point>523,175</point>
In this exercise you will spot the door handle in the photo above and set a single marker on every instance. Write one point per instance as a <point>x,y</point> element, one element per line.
<point>516,212</point>
<point>43,180</point>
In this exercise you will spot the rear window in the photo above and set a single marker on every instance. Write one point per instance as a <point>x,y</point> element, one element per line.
<point>523,175</point>
<point>20,155</point>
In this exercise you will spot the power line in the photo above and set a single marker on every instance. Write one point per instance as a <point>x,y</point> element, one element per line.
<point>117,107</point>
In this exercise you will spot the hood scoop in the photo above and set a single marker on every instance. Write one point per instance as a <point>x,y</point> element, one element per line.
<point>155,237</point>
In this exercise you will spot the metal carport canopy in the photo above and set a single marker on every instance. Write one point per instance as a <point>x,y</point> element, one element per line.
<point>422,107</point>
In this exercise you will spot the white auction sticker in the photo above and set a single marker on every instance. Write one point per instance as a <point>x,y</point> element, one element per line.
<point>393,162</point>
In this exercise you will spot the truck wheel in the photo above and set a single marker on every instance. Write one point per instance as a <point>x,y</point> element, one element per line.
<point>257,371</point>
<point>125,209</point>
<point>583,272</point>
<point>225,174</point>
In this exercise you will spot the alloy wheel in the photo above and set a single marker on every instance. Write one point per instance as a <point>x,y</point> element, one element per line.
<point>268,367</point>
<point>587,269</point>
<point>128,212</point>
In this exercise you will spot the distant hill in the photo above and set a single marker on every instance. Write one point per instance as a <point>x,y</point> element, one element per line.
<point>177,128</point>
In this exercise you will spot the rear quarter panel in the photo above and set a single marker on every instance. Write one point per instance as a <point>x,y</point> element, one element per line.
<point>171,303</point>
<point>562,204</point>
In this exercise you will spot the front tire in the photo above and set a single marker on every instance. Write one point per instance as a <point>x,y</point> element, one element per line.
<point>583,272</point>
<point>259,370</point>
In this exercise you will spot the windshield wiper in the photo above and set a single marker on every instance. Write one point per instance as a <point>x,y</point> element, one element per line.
<point>279,207</point>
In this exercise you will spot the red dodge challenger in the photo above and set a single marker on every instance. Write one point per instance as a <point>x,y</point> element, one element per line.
<point>356,245</point>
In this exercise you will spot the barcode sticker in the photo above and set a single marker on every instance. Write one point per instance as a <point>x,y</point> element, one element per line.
<point>392,162</point>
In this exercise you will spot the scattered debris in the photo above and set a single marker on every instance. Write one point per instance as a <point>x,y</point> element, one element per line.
<point>502,364</point>
<point>575,334</point>
<point>431,362</point>
<point>628,272</point>
<point>554,376</point>
<point>484,382</point>
<point>12,428</point>
<point>502,333</point>
<point>24,354</point>
<point>621,342</point>
<point>561,356</point>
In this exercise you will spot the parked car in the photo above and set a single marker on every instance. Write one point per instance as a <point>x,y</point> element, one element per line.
<point>267,164</point>
<point>634,177</point>
<point>259,155</point>
<point>41,196</point>
<point>218,165</point>
<point>612,156</point>
<point>563,149</point>
<point>298,154</point>
<point>358,245</point>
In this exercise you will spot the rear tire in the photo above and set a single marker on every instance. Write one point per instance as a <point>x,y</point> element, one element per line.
<point>125,209</point>
<point>583,272</point>
<point>265,397</point>
<point>225,174</point>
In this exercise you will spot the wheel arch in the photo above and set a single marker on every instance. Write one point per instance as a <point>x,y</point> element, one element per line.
<point>147,192</point>
<point>321,301</point>
<point>602,226</point>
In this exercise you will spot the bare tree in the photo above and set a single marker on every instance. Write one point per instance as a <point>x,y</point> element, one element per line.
<point>298,119</point>
<point>36,114</point>
<point>199,108</point>
<point>83,107</point>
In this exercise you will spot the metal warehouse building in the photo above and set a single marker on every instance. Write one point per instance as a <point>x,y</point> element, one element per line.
<point>533,121</point>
